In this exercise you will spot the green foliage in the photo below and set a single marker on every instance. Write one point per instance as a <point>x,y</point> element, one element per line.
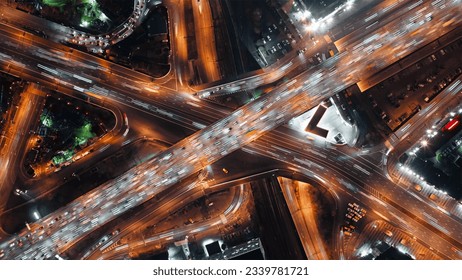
<point>56,3</point>
<point>83,133</point>
<point>64,156</point>
<point>46,120</point>
<point>89,9</point>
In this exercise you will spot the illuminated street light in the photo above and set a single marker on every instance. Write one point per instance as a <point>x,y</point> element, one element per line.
<point>36,215</point>
<point>349,4</point>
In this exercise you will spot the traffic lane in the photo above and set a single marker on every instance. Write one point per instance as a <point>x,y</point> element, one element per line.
<point>372,174</point>
<point>391,214</point>
<point>66,55</point>
<point>77,82</point>
<point>174,203</point>
<point>363,179</point>
<point>165,182</point>
<point>299,204</point>
<point>250,138</point>
<point>26,115</point>
<point>205,39</point>
<point>181,101</point>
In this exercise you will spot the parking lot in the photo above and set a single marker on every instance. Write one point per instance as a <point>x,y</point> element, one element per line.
<point>354,214</point>
<point>274,44</point>
<point>399,97</point>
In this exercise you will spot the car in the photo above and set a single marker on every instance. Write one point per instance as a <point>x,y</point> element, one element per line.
<point>318,57</point>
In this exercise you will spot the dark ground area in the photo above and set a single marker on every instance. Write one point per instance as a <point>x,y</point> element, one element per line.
<point>67,116</point>
<point>251,17</point>
<point>10,89</point>
<point>147,49</point>
<point>440,161</point>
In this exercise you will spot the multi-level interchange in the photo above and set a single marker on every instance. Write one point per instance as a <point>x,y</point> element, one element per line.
<point>205,129</point>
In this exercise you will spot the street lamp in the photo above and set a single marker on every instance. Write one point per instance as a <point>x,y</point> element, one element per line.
<point>36,215</point>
